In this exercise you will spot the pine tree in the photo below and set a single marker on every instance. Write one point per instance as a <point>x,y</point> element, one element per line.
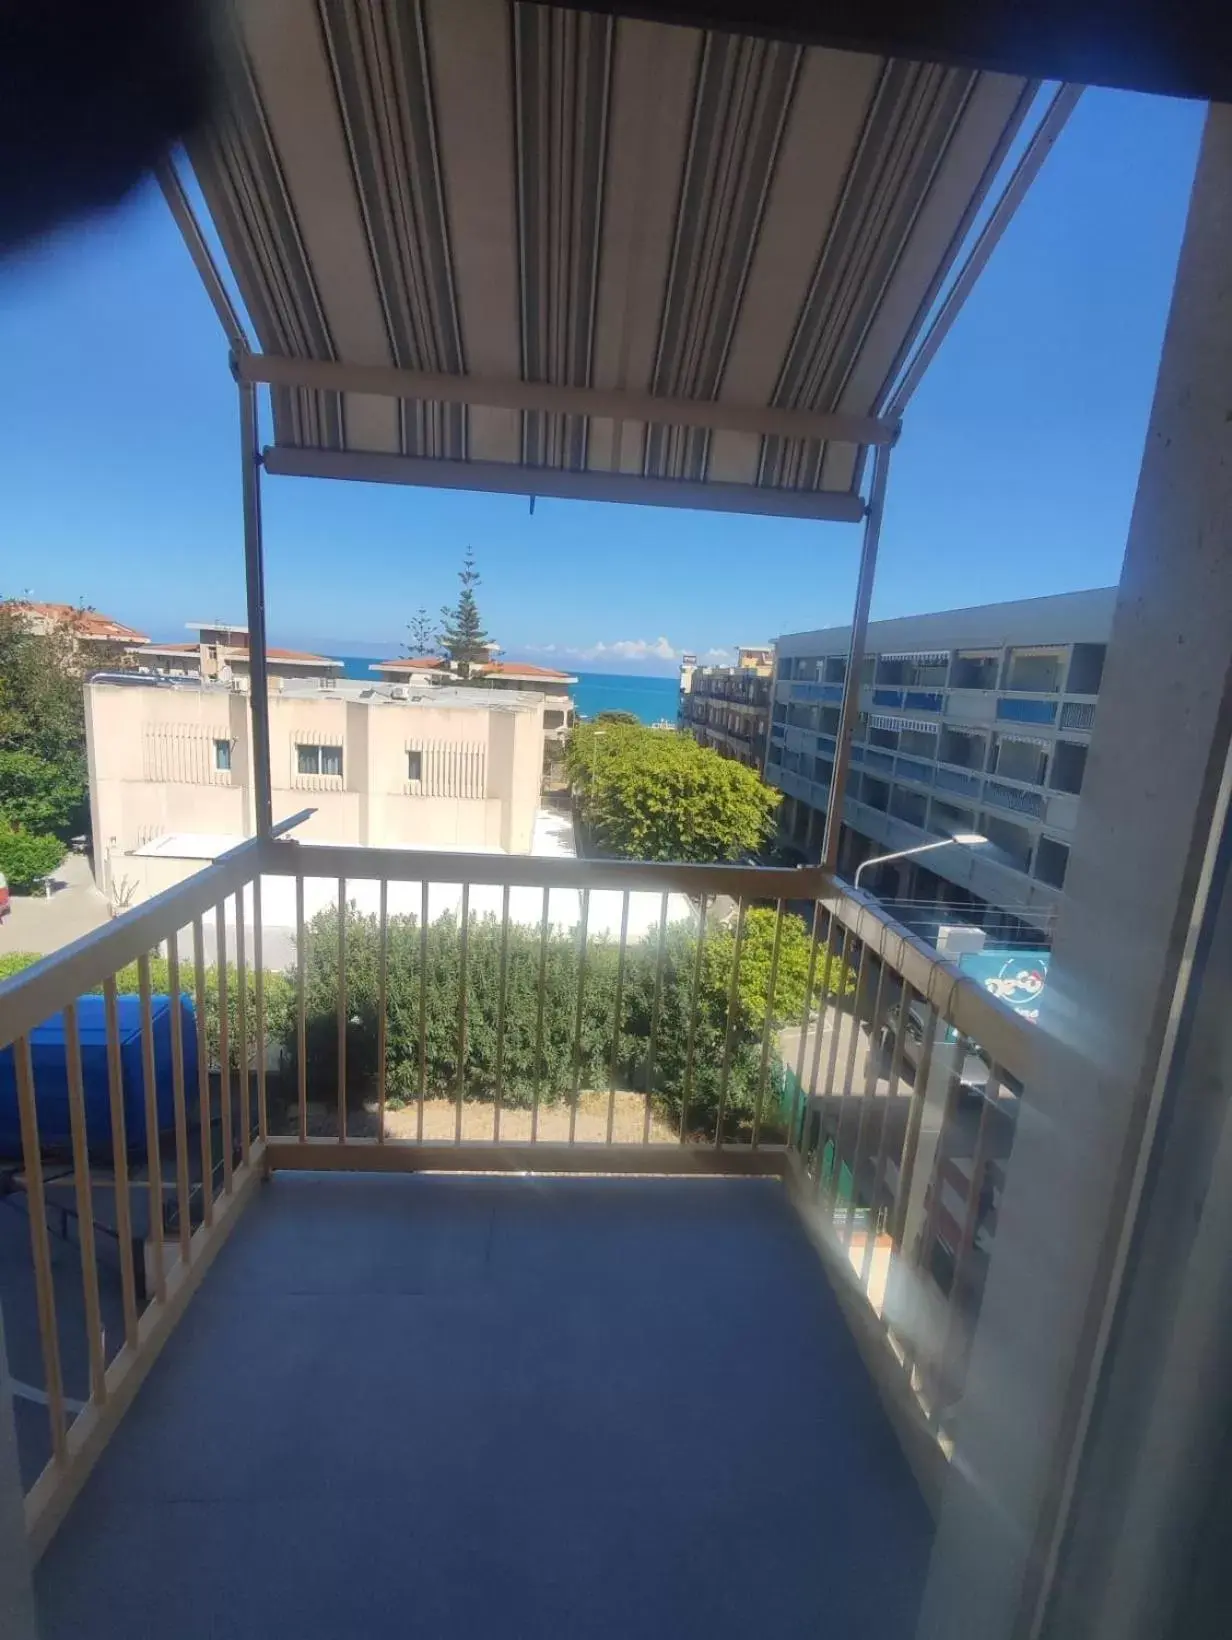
<point>462,635</point>
<point>420,633</point>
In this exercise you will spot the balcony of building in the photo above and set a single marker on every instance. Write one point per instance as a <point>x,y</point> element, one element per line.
<point>296,1279</point>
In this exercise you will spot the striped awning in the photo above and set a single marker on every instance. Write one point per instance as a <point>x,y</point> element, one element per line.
<point>530,249</point>
<point>922,657</point>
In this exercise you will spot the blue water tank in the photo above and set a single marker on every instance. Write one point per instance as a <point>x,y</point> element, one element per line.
<point>49,1055</point>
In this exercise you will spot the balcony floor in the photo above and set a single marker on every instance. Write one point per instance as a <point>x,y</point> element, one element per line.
<point>500,1406</point>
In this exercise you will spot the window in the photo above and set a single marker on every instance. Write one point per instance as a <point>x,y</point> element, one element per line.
<point>414,765</point>
<point>222,755</point>
<point>551,720</point>
<point>318,760</point>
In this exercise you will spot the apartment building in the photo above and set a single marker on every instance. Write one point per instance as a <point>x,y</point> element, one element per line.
<point>728,707</point>
<point>171,780</point>
<point>220,651</point>
<point>559,714</point>
<point>971,720</point>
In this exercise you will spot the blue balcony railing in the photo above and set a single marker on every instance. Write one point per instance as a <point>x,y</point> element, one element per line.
<point>887,697</point>
<point>924,700</point>
<point>909,768</point>
<point>1014,710</point>
<point>1010,797</point>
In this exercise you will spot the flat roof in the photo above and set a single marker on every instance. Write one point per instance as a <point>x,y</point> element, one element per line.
<point>1062,618</point>
<point>453,697</point>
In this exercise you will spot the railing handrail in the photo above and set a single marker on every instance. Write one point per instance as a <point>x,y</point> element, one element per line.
<point>1002,1033</point>
<point>29,998</point>
<point>295,859</point>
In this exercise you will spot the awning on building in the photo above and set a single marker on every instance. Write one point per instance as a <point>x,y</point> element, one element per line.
<point>922,657</point>
<point>903,723</point>
<point>1024,740</point>
<point>528,249</point>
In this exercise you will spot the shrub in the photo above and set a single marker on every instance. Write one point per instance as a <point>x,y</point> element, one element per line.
<point>27,856</point>
<point>541,1055</point>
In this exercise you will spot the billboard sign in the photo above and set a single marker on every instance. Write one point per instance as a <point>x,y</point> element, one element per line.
<point>1016,976</point>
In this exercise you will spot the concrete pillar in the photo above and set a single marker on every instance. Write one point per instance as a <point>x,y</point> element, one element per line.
<point>1139,894</point>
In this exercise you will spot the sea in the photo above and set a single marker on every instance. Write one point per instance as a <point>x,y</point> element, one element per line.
<point>653,700</point>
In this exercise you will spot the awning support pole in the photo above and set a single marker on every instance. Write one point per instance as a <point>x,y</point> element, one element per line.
<point>855,659</point>
<point>254,577</point>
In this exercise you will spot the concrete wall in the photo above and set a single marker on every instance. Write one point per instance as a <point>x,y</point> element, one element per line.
<point>152,771</point>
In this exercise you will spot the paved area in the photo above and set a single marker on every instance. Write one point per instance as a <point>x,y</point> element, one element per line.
<point>471,1407</point>
<point>42,923</point>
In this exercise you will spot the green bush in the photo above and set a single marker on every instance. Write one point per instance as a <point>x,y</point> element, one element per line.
<point>27,856</point>
<point>541,1057</point>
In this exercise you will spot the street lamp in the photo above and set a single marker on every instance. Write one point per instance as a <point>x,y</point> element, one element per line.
<point>970,839</point>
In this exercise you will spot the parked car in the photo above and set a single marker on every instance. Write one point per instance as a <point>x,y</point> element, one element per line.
<point>5,905</point>
<point>974,1071</point>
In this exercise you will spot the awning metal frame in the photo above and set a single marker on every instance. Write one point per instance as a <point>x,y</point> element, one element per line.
<point>878,433</point>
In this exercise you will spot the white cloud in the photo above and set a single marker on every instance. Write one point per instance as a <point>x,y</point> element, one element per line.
<point>622,649</point>
<point>718,657</point>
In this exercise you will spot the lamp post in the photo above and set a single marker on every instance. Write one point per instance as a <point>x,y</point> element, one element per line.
<point>969,839</point>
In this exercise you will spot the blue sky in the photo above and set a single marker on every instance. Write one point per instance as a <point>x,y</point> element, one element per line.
<point>1014,477</point>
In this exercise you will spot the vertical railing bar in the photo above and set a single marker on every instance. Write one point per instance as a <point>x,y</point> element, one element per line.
<point>301,1009</point>
<point>768,1025</point>
<point>40,1247</point>
<point>382,1005</point>
<point>423,1010</point>
<point>617,1016</point>
<point>579,1014</point>
<point>800,1095</point>
<point>915,1120</point>
<point>733,1008</point>
<point>823,1009</point>
<point>923,1248</point>
<point>204,1116</point>
<point>692,1046</point>
<point>258,980</point>
<point>655,1010</point>
<point>870,1092</point>
<point>905,1003</point>
<point>848,1073</point>
<point>502,992</point>
<point>836,1033</point>
<point>224,1046</point>
<point>979,1164</point>
<point>463,937</point>
<point>153,1149</point>
<point>342,1014</point>
<point>543,979</point>
<point>241,1021</point>
<point>179,1098</point>
<point>85,1208</point>
<point>119,1164</point>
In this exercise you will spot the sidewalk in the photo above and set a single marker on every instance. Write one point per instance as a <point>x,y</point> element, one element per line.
<point>41,924</point>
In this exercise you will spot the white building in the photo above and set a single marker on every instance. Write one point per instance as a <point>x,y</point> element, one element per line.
<point>220,651</point>
<point>383,765</point>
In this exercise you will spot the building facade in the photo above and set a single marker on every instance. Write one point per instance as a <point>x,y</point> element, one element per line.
<point>559,714</point>
<point>728,707</point>
<point>220,653</point>
<point>971,720</point>
<point>170,765</point>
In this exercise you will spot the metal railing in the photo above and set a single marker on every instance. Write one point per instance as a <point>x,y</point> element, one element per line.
<point>908,1104</point>
<point>305,1006</point>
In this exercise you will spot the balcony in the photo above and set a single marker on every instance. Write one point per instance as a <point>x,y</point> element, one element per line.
<point>514,1326</point>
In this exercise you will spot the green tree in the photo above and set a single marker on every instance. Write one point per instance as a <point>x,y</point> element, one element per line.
<point>462,635</point>
<point>616,715</point>
<point>26,857</point>
<point>42,726</point>
<point>421,635</point>
<point>655,794</point>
